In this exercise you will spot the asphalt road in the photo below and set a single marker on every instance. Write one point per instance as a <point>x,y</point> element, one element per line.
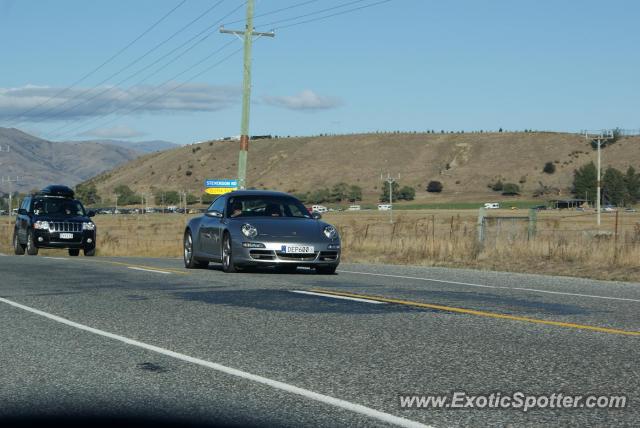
<point>115,336</point>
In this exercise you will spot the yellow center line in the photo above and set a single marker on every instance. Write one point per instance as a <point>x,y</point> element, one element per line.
<point>479,313</point>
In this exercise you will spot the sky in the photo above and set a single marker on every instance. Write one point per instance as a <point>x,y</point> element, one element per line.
<point>160,69</point>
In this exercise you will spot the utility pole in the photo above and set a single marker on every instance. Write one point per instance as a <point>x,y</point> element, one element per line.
<point>599,139</point>
<point>247,34</point>
<point>116,209</point>
<point>389,179</point>
<point>10,181</point>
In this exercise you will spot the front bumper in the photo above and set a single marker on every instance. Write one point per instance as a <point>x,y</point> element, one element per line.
<point>324,254</point>
<point>85,239</point>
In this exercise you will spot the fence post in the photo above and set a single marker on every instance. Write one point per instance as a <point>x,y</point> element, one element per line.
<point>480,225</point>
<point>533,220</point>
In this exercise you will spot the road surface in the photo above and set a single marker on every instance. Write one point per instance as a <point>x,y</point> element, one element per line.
<point>135,336</point>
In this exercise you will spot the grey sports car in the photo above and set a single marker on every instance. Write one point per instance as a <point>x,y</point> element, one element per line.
<point>261,228</point>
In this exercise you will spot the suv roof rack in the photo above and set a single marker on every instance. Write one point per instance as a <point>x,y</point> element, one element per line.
<point>57,190</point>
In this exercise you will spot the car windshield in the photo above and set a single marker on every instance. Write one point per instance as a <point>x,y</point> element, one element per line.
<point>58,207</point>
<point>266,206</point>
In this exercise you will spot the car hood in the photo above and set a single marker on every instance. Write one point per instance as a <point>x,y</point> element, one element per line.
<point>284,227</point>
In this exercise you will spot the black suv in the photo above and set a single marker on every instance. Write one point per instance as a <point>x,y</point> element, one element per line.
<point>52,218</point>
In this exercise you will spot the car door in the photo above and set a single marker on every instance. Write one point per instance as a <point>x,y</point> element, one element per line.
<point>210,229</point>
<point>22,220</point>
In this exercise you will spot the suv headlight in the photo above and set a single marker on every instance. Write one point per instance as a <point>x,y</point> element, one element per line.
<point>41,225</point>
<point>330,232</point>
<point>88,226</point>
<point>249,230</point>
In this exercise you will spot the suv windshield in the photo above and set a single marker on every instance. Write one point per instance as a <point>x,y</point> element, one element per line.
<point>58,207</point>
<point>266,206</point>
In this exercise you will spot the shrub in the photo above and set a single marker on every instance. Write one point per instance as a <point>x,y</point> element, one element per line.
<point>434,187</point>
<point>497,186</point>
<point>510,189</point>
<point>549,168</point>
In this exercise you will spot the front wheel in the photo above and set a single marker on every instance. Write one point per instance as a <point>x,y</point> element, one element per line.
<point>326,270</point>
<point>32,250</point>
<point>190,261</point>
<point>228,264</point>
<point>18,248</point>
<point>89,252</point>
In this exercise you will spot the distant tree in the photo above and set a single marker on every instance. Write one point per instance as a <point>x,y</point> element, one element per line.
<point>549,168</point>
<point>500,130</point>
<point>207,198</point>
<point>355,193</point>
<point>510,189</point>
<point>434,187</point>
<point>614,187</point>
<point>632,181</point>
<point>302,197</point>
<point>87,194</point>
<point>4,205</point>
<point>125,195</point>
<point>192,199</point>
<point>167,197</point>
<point>497,186</point>
<point>319,196</point>
<point>407,193</point>
<point>339,192</point>
<point>384,196</point>
<point>585,181</point>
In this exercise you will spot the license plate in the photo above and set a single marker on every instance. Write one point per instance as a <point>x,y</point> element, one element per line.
<point>297,249</point>
<point>66,236</point>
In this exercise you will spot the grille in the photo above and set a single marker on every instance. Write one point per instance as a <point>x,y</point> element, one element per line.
<point>63,226</point>
<point>262,254</point>
<point>294,256</point>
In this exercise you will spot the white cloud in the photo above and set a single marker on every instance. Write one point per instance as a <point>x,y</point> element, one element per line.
<point>36,103</point>
<point>305,100</point>
<point>118,131</point>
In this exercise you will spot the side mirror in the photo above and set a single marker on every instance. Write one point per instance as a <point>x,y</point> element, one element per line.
<point>91,213</point>
<point>22,211</point>
<point>316,215</point>
<point>214,214</point>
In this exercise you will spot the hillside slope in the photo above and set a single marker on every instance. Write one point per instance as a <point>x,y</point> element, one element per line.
<point>464,163</point>
<point>41,162</point>
<point>138,146</point>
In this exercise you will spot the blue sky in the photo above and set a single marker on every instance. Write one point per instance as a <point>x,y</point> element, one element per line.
<point>401,65</point>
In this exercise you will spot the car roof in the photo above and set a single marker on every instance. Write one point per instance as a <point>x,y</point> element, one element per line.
<point>257,193</point>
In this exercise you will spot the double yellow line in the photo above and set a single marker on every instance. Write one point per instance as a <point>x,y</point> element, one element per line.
<point>478,313</point>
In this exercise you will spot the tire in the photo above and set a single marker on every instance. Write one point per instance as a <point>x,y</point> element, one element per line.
<point>89,252</point>
<point>190,262</point>
<point>32,250</point>
<point>228,265</point>
<point>326,270</point>
<point>18,248</point>
<point>74,252</point>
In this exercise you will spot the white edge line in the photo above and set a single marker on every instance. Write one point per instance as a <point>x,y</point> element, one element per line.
<point>353,407</point>
<point>54,258</point>
<point>333,296</point>
<point>624,299</point>
<point>149,270</point>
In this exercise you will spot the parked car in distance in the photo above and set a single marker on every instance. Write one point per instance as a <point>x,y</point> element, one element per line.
<point>384,207</point>
<point>492,205</point>
<point>319,208</point>
<point>354,208</point>
<point>630,210</point>
<point>247,228</point>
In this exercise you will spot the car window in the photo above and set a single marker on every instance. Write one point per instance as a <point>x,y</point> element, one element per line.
<point>58,207</point>
<point>266,206</point>
<point>217,205</point>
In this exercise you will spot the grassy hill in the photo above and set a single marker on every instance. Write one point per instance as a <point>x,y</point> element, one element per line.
<point>464,163</point>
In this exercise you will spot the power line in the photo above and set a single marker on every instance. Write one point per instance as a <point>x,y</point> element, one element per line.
<point>328,9</point>
<point>273,11</point>
<point>114,56</point>
<point>326,16</point>
<point>156,71</point>
<point>126,67</point>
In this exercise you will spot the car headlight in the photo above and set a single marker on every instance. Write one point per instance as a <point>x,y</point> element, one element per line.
<point>249,231</point>
<point>330,232</point>
<point>88,226</point>
<point>41,225</point>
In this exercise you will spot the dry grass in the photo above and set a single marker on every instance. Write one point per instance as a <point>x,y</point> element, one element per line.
<point>565,242</point>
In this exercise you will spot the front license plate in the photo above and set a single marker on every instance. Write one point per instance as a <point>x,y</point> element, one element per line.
<point>297,249</point>
<point>66,236</point>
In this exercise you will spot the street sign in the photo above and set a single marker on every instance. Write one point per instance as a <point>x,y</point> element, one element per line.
<point>218,187</point>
